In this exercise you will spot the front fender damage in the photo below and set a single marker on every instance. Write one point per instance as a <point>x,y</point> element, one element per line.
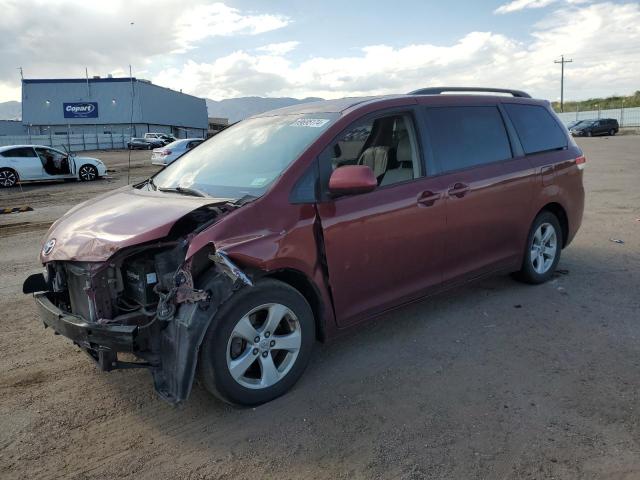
<point>188,312</point>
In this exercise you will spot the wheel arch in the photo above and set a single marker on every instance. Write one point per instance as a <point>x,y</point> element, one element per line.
<point>561,214</point>
<point>304,285</point>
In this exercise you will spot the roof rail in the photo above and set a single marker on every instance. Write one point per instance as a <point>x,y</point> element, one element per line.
<point>440,90</point>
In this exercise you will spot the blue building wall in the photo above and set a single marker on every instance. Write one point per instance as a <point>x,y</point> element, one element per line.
<point>105,105</point>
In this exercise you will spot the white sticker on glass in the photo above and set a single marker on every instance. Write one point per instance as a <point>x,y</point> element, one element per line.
<point>258,182</point>
<point>310,122</point>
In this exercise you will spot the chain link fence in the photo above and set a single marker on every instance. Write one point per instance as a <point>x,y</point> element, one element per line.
<point>627,117</point>
<point>76,142</point>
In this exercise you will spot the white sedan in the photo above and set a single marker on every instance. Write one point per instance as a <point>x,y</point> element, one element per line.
<point>22,163</point>
<point>169,153</point>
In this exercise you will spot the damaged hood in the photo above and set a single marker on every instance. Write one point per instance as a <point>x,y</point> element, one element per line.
<point>96,229</point>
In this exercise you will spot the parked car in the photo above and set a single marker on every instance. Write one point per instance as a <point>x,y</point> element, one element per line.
<point>162,137</point>
<point>169,153</point>
<point>589,128</point>
<point>570,125</point>
<point>143,143</point>
<point>24,163</point>
<point>296,224</point>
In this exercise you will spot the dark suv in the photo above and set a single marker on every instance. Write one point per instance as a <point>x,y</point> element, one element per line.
<point>590,128</point>
<point>298,223</point>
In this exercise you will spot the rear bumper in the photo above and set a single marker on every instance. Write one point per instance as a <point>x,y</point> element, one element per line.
<point>90,336</point>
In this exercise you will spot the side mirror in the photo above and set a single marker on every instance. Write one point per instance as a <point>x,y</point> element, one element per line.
<point>352,179</point>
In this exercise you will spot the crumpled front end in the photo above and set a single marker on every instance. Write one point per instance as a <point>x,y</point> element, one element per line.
<point>151,299</point>
<point>143,302</point>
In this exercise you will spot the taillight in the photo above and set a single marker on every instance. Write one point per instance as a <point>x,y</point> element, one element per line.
<point>581,161</point>
<point>166,152</point>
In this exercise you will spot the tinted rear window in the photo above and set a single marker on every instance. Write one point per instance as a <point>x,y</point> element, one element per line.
<point>23,152</point>
<point>462,137</point>
<point>536,128</point>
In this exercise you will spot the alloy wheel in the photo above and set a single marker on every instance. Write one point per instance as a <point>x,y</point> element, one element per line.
<point>88,173</point>
<point>264,346</point>
<point>544,248</point>
<point>8,178</point>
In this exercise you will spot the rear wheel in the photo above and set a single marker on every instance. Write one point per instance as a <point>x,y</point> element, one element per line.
<point>88,173</point>
<point>612,132</point>
<point>258,345</point>
<point>8,177</point>
<point>544,245</point>
<point>589,134</point>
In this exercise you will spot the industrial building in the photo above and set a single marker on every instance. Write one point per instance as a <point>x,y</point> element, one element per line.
<point>123,106</point>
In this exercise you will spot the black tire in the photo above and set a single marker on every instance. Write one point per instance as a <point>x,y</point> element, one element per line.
<point>129,146</point>
<point>8,178</point>
<point>528,273</point>
<point>214,370</point>
<point>87,173</point>
<point>612,132</point>
<point>589,134</point>
<point>149,147</point>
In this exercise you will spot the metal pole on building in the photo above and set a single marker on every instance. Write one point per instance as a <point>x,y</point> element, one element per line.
<point>131,125</point>
<point>562,61</point>
<point>622,114</point>
<point>598,105</point>
<point>86,72</point>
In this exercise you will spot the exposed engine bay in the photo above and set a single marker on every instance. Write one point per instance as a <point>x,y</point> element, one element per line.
<point>144,301</point>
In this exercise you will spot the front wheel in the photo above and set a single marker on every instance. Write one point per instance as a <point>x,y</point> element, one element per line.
<point>589,134</point>
<point>88,173</point>
<point>612,132</point>
<point>258,345</point>
<point>8,177</point>
<point>544,245</point>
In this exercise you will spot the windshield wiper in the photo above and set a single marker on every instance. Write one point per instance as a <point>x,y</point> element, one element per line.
<point>151,183</point>
<point>184,191</point>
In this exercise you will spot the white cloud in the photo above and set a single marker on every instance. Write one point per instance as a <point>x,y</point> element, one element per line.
<point>54,38</point>
<point>603,40</point>
<point>217,19</point>
<point>517,5</point>
<point>278,48</point>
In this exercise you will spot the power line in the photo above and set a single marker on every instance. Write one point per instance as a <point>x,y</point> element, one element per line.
<point>562,61</point>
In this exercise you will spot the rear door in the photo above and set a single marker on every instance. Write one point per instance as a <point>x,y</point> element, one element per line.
<point>384,247</point>
<point>24,161</point>
<point>488,186</point>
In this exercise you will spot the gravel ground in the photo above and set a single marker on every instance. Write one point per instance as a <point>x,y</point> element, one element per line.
<point>494,380</point>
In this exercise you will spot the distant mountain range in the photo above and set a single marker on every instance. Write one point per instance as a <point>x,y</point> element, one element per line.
<point>233,108</point>
<point>10,110</point>
<point>239,108</point>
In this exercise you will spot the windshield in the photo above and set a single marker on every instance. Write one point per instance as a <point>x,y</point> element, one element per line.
<point>245,159</point>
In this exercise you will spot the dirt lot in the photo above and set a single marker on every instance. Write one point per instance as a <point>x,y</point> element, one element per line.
<point>497,380</point>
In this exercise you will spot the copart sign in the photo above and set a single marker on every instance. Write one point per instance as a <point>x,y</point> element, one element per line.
<point>80,110</point>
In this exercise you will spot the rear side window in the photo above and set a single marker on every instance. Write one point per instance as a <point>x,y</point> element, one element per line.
<point>463,137</point>
<point>24,152</point>
<point>536,128</point>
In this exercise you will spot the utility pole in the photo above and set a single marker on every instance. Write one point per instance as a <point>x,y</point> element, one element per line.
<point>562,61</point>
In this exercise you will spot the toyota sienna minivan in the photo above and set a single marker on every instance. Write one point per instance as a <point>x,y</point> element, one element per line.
<point>296,224</point>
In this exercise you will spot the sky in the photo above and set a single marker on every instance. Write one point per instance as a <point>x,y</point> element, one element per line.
<point>329,48</point>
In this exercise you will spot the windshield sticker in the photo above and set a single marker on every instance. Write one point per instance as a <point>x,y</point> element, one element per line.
<point>258,182</point>
<point>310,122</point>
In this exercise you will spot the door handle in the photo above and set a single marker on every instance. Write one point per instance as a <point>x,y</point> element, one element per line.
<point>428,198</point>
<point>458,190</point>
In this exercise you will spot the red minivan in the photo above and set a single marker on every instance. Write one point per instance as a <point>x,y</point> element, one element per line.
<point>295,224</point>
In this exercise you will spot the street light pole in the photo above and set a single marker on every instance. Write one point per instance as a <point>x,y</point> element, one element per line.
<point>562,61</point>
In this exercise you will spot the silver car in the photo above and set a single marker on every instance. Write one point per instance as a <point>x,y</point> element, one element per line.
<point>22,163</point>
<point>169,153</point>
